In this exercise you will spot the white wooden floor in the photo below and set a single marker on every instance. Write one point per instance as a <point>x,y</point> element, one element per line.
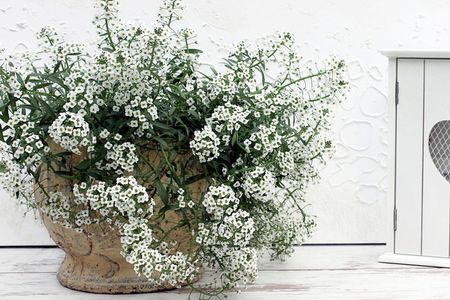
<point>314,272</point>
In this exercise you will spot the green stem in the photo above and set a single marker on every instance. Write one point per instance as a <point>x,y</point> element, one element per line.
<point>108,33</point>
<point>300,79</point>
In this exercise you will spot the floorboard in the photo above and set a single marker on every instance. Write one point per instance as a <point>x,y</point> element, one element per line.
<point>313,272</point>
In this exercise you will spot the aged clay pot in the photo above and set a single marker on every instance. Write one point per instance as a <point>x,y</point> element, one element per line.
<point>93,262</point>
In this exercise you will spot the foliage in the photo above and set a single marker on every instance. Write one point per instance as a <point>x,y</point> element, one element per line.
<point>256,140</point>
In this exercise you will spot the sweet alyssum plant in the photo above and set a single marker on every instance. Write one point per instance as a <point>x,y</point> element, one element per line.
<point>257,139</point>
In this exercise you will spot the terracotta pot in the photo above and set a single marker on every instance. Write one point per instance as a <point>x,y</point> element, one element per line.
<point>93,262</point>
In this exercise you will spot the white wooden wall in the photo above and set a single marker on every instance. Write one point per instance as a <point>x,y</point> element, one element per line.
<point>350,201</point>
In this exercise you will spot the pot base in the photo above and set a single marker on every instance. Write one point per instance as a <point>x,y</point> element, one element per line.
<point>82,276</point>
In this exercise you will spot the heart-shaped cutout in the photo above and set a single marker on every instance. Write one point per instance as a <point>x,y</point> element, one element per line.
<point>439,146</point>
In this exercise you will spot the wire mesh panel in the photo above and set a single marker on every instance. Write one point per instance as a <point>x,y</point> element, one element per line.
<point>439,145</point>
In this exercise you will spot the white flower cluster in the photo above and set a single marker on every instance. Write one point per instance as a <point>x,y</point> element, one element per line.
<point>227,236</point>
<point>139,55</point>
<point>70,131</point>
<point>265,141</point>
<point>13,179</point>
<point>240,265</point>
<point>223,122</point>
<point>227,242</point>
<point>286,163</point>
<point>135,234</point>
<point>270,102</point>
<point>122,69</point>
<point>127,195</point>
<point>121,157</point>
<point>288,226</point>
<point>220,200</point>
<point>259,184</point>
<point>232,230</point>
<point>221,84</point>
<point>127,198</point>
<point>28,145</point>
<point>108,7</point>
<point>11,84</point>
<point>118,201</point>
<point>228,117</point>
<point>57,49</point>
<point>158,267</point>
<point>205,144</point>
<point>170,11</point>
<point>82,95</point>
<point>58,208</point>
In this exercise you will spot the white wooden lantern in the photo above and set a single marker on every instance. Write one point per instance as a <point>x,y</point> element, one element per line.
<point>419,199</point>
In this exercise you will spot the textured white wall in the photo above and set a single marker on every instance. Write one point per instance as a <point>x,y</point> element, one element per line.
<point>350,201</point>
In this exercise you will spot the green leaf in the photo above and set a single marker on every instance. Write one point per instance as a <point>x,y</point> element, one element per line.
<point>161,192</point>
<point>84,165</point>
<point>194,51</point>
<point>58,81</point>
<point>166,208</point>
<point>175,96</point>
<point>46,107</point>
<point>30,107</point>
<point>58,64</point>
<point>194,178</point>
<point>62,154</point>
<point>96,175</point>
<point>174,176</point>
<point>110,50</point>
<point>65,174</point>
<point>163,126</point>
<point>214,71</point>
<point>19,78</point>
<point>41,86</point>
<point>4,116</point>
<point>162,142</point>
<point>37,174</point>
<point>234,138</point>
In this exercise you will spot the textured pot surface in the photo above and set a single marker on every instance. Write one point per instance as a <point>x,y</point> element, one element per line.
<point>93,262</point>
